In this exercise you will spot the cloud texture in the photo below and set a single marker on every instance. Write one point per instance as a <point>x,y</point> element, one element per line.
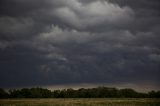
<point>51,42</point>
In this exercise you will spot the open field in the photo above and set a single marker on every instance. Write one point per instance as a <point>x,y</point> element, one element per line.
<point>80,102</point>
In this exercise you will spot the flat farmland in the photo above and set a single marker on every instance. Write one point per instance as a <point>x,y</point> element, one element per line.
<point>81,102</point>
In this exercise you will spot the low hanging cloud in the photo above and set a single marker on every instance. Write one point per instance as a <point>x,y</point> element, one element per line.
<point>60,42</point>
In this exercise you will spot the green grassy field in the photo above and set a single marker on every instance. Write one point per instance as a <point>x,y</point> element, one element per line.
<point>80,102</point>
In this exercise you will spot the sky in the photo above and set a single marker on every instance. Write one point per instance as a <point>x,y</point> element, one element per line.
<point>57,43</point>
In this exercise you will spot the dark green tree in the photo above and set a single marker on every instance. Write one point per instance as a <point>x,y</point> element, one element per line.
<point>3,93</point>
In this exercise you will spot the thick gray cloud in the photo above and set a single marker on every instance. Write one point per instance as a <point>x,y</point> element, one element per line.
<point>98,12</point>
<point>50,42</point>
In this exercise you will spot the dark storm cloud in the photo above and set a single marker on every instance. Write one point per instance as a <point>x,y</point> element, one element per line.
<point>48,42</point>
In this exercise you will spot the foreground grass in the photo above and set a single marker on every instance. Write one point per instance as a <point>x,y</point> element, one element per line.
<point>80,102</point>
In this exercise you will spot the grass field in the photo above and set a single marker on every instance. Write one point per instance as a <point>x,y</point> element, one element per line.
<point>80,102</point>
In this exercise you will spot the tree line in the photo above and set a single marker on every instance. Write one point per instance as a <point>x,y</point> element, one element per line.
<point>99,92</point>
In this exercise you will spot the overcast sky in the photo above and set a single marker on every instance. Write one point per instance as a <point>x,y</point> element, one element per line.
<point>74,42</point>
